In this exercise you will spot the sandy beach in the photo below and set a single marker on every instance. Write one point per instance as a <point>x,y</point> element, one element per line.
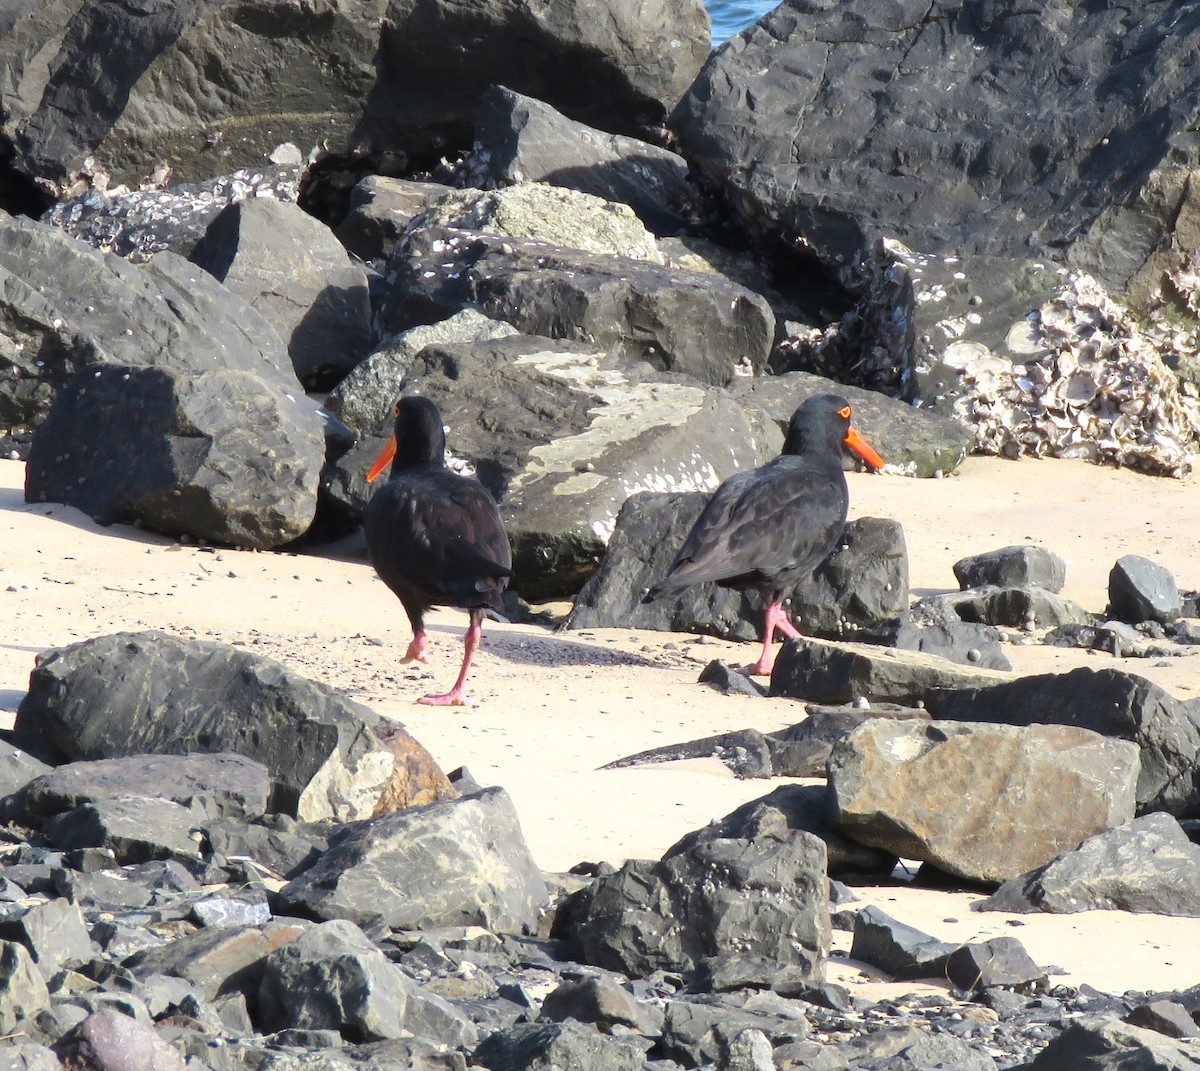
<point>554,707</point>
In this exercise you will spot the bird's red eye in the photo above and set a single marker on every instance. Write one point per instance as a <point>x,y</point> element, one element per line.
<point>844,412</point>
<point>396,409</point>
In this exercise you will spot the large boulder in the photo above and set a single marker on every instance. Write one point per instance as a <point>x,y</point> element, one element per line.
<point>174,696</point>
<point>224,456</point>
<point>985,802</point>
<point>702,325</point>
<point>290,268</point>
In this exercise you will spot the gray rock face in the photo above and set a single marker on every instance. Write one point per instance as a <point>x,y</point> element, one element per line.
<point>289,267</point>
<point>23,991</point>
<point>135,829</point>
<point>333,978</point>
<point>520,139</point>
<point>964,153</point>
<point>225,456</point>
<point>757,900</point>
<point>567,1044</point>
<point>985,802</point>
<point>1167,730</point>
<point>562,435</point>
<point>913,442</point>
<point>620,69</point>
<point>106,1039</point>
<point>1142,590</point>
<point>826,672</point>
<point>1146,865</point>
<point>1012,567</point>
<point>704,326</point>
<point>1024,607</point>
<point>176,696</point>
<point>54,934</point>
<point>380,209</point>
<point>461,862</point>
<point>1102,1044</point>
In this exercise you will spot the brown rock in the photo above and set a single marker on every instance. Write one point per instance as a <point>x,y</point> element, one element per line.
<point>416,778</point>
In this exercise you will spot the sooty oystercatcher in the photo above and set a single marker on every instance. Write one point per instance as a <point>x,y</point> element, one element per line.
<point>768,528</point>
<point>435,537</point>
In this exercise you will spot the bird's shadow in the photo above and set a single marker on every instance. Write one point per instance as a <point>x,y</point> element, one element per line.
<point>552,650</point>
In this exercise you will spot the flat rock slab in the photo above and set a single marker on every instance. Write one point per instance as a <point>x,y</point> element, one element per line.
<point>827,672</point>
<point>985,802</point>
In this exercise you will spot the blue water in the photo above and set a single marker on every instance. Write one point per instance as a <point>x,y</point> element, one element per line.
<point>732,16</point>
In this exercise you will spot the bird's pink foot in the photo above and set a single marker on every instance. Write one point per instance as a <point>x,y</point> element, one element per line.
<point>453,698</point>
<point>761,668</point>
<point>417,649</point>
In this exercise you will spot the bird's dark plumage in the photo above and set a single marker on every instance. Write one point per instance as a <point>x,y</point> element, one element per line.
<point>435,537</point>
<point>768,528</point>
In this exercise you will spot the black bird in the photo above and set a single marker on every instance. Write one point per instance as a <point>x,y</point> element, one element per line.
<point>768,528</point>
<point>435,537</point>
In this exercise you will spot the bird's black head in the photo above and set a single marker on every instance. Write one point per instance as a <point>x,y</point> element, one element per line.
<point>419,433</point>
<point>821,427</point>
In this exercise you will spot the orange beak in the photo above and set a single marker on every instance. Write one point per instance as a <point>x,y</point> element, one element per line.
<point>861,448</point>
<point>385,458</point>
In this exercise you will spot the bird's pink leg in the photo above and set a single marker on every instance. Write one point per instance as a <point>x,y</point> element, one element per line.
<point>416,649</point>
<point>456,697</point>
<point>775,618</point>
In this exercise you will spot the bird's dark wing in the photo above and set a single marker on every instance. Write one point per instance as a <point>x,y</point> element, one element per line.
<point>439,536</point>
<point>771,522</point>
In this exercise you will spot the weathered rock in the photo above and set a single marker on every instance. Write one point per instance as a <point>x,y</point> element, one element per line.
<point>1113,637</point>
<point>913,442</point>
<point>363,400</point>
<point>620,70</point>
<point>1163,1017</point>
<point>698,1034</point>
<point>911,1048</point>
<point>985,802</point>
<point>380,208</point>
<point>1010,567</point>
<point>1101,1044</point>
<point>176,696</point>
<point>901,950</point>
<point>107,1040</point>
<point>134,828</point>
<point>1142,590</point>
<point>998,961</point>
<point>1146,865</point>
<point>17,769</point>
<point>520,139</point>
<point>332,977</point>
<point>704,326</point>
<point>225,456</point>
<point>725,678</point>
<point>218,960</point>
<point>277,843</point>
<point>23,990</point>
<point>562,435</point>
<point>290,268</point>
<point>825,672</point>
<point>460,862</point>
<point>931,628</point>
<point>596,1000</point>
<point>1108,701</point>
<point>552,1045</point>
<point>802,750</point>
<point>229,784</point>
<point>555,215</point>
<point>1025,607</point>
<point>53,932</point>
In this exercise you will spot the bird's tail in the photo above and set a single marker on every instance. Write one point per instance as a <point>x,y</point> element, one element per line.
<point>666,586</point>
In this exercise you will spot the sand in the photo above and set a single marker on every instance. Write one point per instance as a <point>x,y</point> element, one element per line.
<point>554,707</point>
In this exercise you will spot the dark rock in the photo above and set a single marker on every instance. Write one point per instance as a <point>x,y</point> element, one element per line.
<point>225,457</point>
<point>229,784</point>
<point>725,678</point>
<point>900,950</point>
<point>553,1045</point>
<point>109,1041</point>
<point>1108,701</point>
<point>909,1048</point>
<point>380,208</point>
<point>520,139</point>
<point>365,398</point>
<point>913,442</point>
<point>1115,637</point>
<point>825,672</point>
<point>620,70</point>
<point>221,959</point>
<point>1163,1017</point>
<point>1146,865</point>
<point>1102,1044</point>
<point>596,1000</point>
<point>931,629</point>
<point>461,862</point>
<point>562,435</point>
<point>278,843</point>
<point>290,268</point>
<point>1010,567</point>
<point>1142,590</point>
<point>702,325</point>
<point>852,166</point>
<point>802,750</point>
<point>1020,796</point>
<point>331,977</point>
<point>998,961</point>
<point>175,696</point>
<point>17,769</point>
<point>698,1033</point>
<point>135,828</point>
<point>1020,607</point>
<point>136,224</point>
<point>53,932</point>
